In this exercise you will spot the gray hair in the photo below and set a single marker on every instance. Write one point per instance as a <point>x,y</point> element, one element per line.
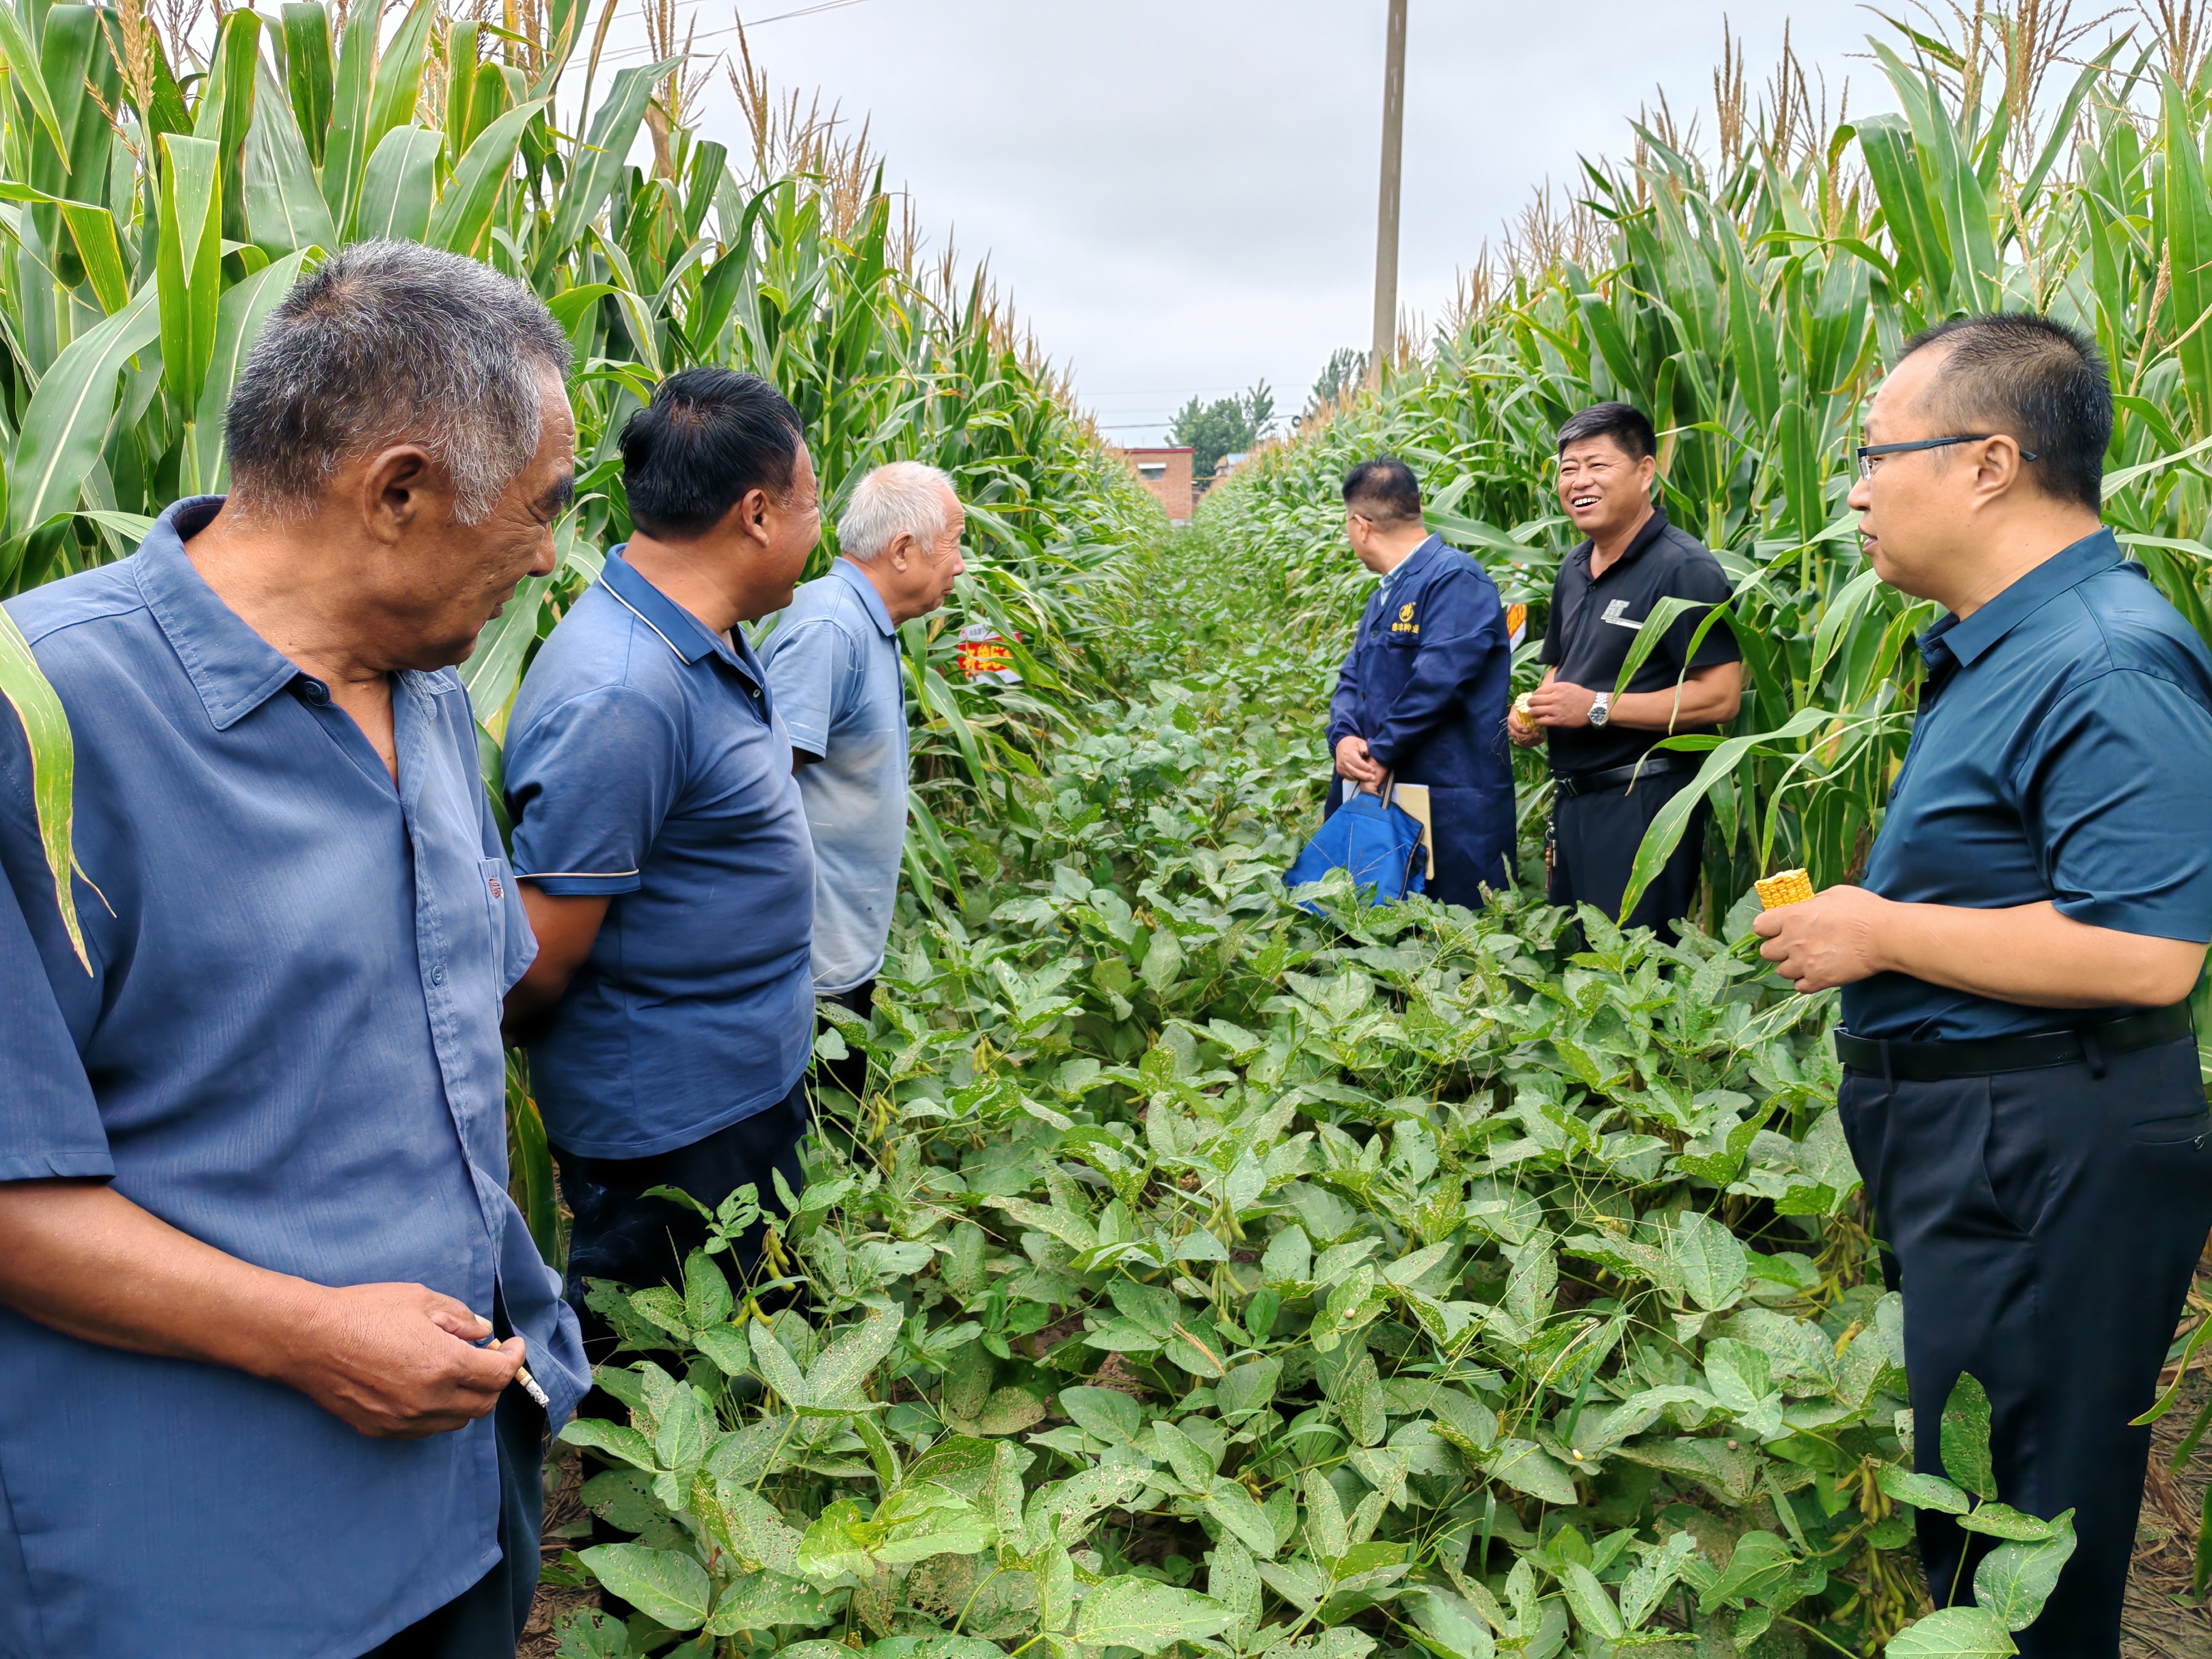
<point>900,498</point>
<point>393,341</point>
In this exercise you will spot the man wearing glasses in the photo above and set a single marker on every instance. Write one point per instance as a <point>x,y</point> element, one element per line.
<point>1610,781</point>
<point>2021,1091</point>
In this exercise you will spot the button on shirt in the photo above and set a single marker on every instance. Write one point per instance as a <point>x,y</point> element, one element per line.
<point>287,1046</point>
<point>833,663</point>
<point>1594,622</point>
<point>644,762</point>
<point>2062,754</point>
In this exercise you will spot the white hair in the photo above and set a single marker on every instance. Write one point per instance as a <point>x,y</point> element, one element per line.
<point>900,498</point>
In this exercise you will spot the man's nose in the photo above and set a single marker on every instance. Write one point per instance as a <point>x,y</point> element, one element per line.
<point>546,557</point>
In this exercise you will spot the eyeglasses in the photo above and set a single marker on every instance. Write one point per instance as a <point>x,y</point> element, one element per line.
<point>1870,453</point>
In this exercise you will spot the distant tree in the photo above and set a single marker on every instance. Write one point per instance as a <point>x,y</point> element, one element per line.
<point>1227,426</point>
<point>1347,366</point>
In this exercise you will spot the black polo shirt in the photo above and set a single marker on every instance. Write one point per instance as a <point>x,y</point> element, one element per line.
<point>1593,623</point>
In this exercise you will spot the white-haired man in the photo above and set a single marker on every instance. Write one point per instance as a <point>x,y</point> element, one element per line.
<point>833,668</point>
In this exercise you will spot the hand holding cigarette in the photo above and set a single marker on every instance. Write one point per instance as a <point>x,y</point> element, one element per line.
<point>399,1361</point>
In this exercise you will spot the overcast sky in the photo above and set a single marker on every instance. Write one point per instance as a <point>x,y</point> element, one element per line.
<point>1180,194</point>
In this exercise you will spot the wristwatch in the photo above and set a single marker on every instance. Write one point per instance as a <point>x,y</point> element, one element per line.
<point>1601,708</point>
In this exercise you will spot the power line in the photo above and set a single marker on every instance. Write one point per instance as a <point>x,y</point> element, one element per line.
<point>777,17</point>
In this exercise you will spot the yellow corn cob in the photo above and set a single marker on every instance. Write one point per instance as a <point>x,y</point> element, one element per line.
<point>1521,705</point>
<point>1789,887</point>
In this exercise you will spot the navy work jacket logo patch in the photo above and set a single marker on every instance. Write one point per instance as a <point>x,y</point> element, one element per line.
<point>1405,624</point>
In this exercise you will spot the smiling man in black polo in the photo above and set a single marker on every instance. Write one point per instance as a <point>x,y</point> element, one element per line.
<point>1610,786</point>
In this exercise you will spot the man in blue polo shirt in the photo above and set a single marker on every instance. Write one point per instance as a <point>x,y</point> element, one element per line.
<point>253,1210</point>
<point>661,845</point>
<point>833,663</point>
<point>2021,1091</point>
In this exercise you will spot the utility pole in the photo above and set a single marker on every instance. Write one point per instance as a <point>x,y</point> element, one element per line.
<point>1386,208</point>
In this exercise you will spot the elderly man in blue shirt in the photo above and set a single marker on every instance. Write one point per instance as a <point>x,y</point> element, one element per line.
<point>253,1216</point>
<point>833,664</point>
<point>2021,1091</point>
<point>662,848</point>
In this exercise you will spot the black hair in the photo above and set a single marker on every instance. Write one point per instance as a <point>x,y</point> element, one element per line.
<point>1386,484</point>
<point>2039,382</point>
<point>709,436</point>
<point>1624,424</point>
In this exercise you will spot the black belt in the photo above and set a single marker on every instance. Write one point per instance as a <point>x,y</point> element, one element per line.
<point>1613,777</point>
<point>1932,1062</point>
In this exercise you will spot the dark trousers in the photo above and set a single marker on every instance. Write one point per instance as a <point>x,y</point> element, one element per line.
<point>2046,1224</point>
<point>620,1234</point>
<point>1594,841</point>
<point>850,1074</point>
<point>485,1621</point>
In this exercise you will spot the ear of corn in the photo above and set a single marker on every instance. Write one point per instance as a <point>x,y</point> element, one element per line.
<point>1783,887</point>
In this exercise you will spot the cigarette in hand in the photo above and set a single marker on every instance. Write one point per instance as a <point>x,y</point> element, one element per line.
<point>522,1375</point>
<point>1785,887</point>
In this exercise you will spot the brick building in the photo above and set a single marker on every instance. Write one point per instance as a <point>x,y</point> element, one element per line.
<point>1166,473</point>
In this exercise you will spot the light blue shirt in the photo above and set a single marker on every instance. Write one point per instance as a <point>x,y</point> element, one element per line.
<point>288,1046</point>
<point>644,762</point>
<point>834,664</point>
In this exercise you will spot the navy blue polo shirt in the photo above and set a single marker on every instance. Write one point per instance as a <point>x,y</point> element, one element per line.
<point>2062,753</point>
<point>283,1041</point>
<point>645,762</point>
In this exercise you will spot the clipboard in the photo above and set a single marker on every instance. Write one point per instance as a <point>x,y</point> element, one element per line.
<point>1414,797</point>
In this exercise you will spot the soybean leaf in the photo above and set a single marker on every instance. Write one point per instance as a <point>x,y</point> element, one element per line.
<point>666,1586</point>
<point>2015,1580</point>
<point>1954,1633</point>
<point>1965,1437</point>
<point>1148,1616</point>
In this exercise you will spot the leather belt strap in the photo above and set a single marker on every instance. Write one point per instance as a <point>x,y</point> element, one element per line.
<point>1932,1062</point>
<point>1619,777</point>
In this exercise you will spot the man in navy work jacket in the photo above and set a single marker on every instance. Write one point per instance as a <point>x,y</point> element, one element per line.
<point>1422,696</point>
<point>1609,778</point>
<point>662,847</point>
<point>2020,1089</point>
<point>253,1211</point>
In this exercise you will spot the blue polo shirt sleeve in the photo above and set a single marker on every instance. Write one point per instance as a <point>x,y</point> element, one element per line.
<point>50,1124</point>
<point>589,783</point>
<point>2115,791</point>
<point>806,667</point>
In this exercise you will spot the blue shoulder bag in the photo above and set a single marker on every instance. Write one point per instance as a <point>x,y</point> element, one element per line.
<point>1380,842</point>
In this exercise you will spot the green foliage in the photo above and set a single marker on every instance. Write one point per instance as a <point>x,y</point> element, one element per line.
<point>1200,1272</point>
<point>1227,426</point>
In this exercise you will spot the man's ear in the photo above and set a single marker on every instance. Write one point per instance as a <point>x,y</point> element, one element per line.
<point>401,488</point>
<point>750,515</point>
